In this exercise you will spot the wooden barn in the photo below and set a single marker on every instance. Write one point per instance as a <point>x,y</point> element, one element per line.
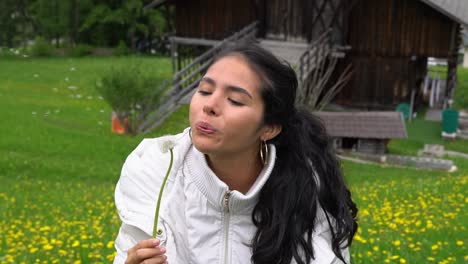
<point>391,41</point>
<point>386,42</point>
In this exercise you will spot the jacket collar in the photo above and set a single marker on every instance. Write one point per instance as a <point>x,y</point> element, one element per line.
<point>215,189</point>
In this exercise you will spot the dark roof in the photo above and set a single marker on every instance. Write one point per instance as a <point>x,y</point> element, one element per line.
<point>377,125</point>
<point>455,9</point>
<point>155,3</point>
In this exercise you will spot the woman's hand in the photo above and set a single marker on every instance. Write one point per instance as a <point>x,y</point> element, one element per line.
<point>147,251</point>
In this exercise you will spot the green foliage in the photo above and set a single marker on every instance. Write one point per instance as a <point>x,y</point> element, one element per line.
<point>122,49</point>
<point>461,92</point>
<point>41,48</point>
<point>130,92</point>
<point>93,22</point>
<point>81,50</point>
<point>50,17</point>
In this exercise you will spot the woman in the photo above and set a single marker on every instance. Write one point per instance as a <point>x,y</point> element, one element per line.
<point>254,179</point>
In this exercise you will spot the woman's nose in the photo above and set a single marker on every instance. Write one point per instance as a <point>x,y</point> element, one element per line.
<point>211,105</point>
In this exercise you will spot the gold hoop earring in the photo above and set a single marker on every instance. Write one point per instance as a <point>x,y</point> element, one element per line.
<point>264,152</point>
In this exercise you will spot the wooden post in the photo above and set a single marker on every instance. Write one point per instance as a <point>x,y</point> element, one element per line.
<point>452,63</point>
<point>413,93</point>
<point>174,55</point>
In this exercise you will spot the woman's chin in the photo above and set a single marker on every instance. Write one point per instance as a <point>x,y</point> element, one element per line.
<point>203,147</point>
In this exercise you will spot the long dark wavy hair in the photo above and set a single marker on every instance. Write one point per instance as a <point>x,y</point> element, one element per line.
<point>306,177</point>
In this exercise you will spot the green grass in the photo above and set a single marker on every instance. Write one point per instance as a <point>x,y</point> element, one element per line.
<point>461,92</point>
<point>408,215</point>
<point>59,163</point>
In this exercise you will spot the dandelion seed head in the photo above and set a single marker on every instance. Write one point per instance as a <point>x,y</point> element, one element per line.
<point>166,145</point>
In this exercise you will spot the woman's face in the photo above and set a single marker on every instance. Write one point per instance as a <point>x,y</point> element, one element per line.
<point>227,109</point>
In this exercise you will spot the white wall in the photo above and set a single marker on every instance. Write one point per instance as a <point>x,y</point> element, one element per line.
<point>465,58</point>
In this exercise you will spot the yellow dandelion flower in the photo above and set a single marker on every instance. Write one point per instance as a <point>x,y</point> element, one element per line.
<point>394,257</point>
<point>430,258</point>
<point>44,228</point>
<point>402,260</point>
<point>396,243</point>
<point>110,244</point>
<point>48,247</point>
<point>375,248</point>
<point>111,256</point>
<point>435,247</point>
<point>32,250</point>
<point>459,243</point>
<point>76,243</point>
<point>429,224</point>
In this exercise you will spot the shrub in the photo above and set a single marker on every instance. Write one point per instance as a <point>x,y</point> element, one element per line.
<point>122,49</point>
<point>41,48</point>
<point>131,94</point>
<point>461,92</point>
<point>81,50</point>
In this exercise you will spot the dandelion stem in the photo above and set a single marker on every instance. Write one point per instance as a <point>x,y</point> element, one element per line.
<point>156,215</point>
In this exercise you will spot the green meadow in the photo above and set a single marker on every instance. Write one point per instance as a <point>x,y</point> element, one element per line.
<point>59,162</point>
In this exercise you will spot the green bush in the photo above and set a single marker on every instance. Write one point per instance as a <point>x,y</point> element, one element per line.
<point>41,48</point>
<point>122,49</point>
<point>461,92</point>
<point>81,50</point>
<point>130,93</point>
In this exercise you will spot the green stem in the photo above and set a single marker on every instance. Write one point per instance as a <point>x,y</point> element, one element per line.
<point>156,216</point>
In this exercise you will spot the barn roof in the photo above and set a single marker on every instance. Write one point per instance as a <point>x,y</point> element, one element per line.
<point>373,124</point>
<point>455,9</point>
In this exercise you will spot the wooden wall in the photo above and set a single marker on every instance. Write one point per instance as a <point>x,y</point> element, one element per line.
<point>304,20</point>
<point>390,41</point>
<point>398,28</point>
<point>213,19</point>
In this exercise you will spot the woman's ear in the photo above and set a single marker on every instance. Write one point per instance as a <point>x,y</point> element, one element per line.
<point>270,132</point>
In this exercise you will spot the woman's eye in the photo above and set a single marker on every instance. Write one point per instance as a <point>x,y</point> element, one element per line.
<point>236,103</point>
<point>203,92</point>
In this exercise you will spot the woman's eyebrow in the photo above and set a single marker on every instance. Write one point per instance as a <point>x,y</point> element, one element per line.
<point>229,87</point>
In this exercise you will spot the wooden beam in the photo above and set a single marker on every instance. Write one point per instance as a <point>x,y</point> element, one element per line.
<point>195,41</point>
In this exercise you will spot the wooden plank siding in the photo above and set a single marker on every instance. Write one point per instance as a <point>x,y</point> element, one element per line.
<point>213,19</point>
<point>398,28</point>
<point>390,41</point>
<point>305,20</point>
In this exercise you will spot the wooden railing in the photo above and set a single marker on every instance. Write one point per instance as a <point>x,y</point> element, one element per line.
<point>315,69</point>
<point>185,80</point>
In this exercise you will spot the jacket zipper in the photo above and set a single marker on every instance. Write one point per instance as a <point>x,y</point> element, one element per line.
<point>226,224</point>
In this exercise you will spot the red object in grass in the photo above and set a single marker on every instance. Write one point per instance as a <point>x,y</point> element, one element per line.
<point>117,127</point>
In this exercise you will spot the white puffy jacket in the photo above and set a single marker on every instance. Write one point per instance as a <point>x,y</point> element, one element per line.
<point>201,220</point>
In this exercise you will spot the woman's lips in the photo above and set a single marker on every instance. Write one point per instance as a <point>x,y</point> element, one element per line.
<point>205,128</point>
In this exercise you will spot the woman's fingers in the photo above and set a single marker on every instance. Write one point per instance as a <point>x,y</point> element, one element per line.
<point>148,243</point>
<point>147,251</point>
